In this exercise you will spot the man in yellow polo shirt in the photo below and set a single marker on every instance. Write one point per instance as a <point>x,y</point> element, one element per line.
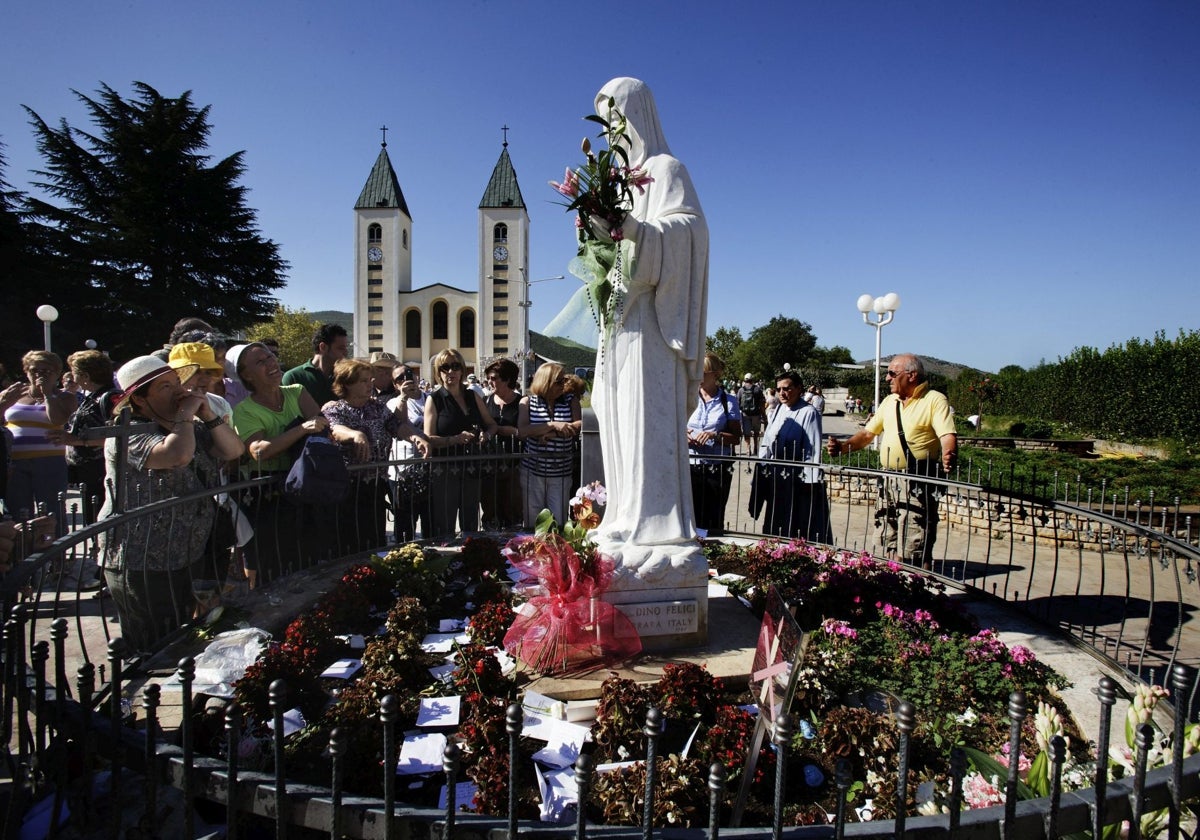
<point>918,439</point>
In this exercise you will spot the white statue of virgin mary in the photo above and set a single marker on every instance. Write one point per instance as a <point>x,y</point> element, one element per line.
<point>650,368</point>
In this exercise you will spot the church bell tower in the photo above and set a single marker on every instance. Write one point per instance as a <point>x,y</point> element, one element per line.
<point>503,262</point>
<point>382,258</point>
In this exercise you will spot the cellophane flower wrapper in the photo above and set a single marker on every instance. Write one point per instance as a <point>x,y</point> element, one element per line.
<point>569,629</point>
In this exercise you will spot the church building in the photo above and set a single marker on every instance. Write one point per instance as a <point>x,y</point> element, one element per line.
<point>418,323</point>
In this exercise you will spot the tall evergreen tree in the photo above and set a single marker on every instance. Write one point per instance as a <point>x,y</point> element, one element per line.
<point>147,229</point>
<point>20,329</point>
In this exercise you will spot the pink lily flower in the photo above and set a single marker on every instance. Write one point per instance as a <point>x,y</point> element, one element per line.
<point>570,184</point>
<point>639,178</point>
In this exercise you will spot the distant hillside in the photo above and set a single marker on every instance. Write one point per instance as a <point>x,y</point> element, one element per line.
<point>950,370</point>
<point>568,353</point>
<point>332,316</point>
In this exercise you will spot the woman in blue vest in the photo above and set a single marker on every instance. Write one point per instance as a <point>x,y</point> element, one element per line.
<point>713,430</point>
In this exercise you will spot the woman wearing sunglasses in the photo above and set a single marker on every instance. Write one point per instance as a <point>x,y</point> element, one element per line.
<point>456,423</point>
<point>550,422</point>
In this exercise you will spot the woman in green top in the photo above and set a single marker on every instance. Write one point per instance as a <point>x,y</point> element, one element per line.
<point>270,421</point>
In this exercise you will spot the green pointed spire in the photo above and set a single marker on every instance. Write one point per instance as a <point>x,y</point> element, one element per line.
<point>382,188</point>
<point>503,190</point>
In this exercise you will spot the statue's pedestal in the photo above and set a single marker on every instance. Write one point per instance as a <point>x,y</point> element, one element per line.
<point>666,619</point>
<point>663,591</point>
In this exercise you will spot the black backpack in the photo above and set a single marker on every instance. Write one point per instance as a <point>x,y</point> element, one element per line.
<point>748,399</point>
<point>318,475</point>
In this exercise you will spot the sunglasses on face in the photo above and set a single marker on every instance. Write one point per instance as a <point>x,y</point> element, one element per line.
<point>407,376</point>
<point>449,368</point>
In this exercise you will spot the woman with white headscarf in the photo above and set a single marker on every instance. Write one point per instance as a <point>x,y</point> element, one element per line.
<point>651,364</point>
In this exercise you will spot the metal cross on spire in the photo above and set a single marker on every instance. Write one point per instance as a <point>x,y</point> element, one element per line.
<point>384,129</point>
<point>504,128</point>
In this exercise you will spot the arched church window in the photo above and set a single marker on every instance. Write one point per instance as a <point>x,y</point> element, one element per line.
<point>412,328</point>
<point>466,328</point>
<point>375,234</point>
<point>500,233</point>
<point>404,238</point>
<point>441,321</point>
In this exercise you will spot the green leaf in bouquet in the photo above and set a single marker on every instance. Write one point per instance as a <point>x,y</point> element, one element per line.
<point>544,524</point>
<point>1038,777</point>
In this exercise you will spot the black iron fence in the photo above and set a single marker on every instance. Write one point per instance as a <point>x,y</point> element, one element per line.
<point>144,771</point>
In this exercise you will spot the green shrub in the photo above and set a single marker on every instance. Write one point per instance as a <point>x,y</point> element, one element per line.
<point>1038,430</point>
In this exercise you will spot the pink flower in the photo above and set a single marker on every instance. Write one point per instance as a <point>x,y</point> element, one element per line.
<point>639,178</point>
<point>1023,762</point>
<point>570,184</point>
<point>834,627</point>
<point>1022,655</point>
<point>979,792</point>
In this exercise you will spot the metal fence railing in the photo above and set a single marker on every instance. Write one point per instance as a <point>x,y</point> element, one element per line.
<point>143,770</point>
<point>1117,585</point>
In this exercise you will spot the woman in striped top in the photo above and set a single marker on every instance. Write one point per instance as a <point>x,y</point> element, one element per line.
<point>36,412</point>
<point>550,421</point>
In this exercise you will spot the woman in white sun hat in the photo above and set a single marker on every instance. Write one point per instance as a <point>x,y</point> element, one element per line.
<point>147,561</point>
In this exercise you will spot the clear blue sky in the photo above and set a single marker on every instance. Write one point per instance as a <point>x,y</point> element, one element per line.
<point>1025,175</point>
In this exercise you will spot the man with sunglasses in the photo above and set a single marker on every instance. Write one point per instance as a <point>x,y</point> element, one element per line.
<point>383,382</point>
<point>918,439</point>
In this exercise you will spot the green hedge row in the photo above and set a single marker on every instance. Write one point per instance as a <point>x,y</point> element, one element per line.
<point>1143,389</point>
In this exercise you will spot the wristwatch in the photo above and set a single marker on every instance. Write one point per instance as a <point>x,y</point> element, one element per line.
<point>213,423</point>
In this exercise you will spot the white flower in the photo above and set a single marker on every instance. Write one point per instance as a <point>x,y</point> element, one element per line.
<point>1046,723</point>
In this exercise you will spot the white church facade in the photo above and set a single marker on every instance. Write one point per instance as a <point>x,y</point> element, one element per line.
<point>416,324</point>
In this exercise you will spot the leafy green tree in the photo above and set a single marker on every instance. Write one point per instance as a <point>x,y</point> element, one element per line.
<point>781,340</point>
<point>826,356</point>
<point>147,227</point>
<point>293,329</point>
<point>725,342</point>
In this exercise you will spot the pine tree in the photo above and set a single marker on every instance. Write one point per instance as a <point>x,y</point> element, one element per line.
<point>147,229</point>
<point>24,289</point>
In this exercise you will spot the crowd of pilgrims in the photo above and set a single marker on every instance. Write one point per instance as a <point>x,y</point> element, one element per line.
<point>212,411</point>
<point>446,455</point>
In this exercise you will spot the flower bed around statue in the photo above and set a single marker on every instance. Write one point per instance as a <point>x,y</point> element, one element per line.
<point>876,628</point>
